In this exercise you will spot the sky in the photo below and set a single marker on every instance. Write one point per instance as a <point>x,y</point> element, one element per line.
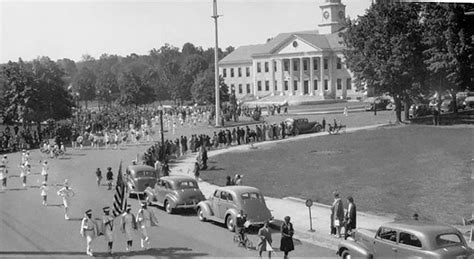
<point>71,28</point>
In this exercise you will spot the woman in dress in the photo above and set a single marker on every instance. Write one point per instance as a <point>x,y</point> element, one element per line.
<point>265,243</point>
<point>287,231</point>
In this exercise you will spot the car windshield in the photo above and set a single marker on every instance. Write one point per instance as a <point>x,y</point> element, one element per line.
<point>251,196</point>
<point>145,174</point>
<point>187,185</point>
<point>449,239</point>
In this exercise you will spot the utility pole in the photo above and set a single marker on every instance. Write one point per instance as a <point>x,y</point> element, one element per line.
<point>216,68</point>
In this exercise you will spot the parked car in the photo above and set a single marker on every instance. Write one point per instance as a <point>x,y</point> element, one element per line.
<point>406,239</point>
<point>380,104</point>
<point>136,176</point>
<point>226,202</point>
<point>419,109</point>
<point>469,102</point>
<point>175,192</point>
<point>448,105</point>
<point>301,126</point>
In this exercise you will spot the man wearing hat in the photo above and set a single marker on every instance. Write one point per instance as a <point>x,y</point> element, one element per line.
<point>66,193</point>
<point>128,224</point>
<point>108,222</point>
<point>88,230</point>
<point>145,218</point>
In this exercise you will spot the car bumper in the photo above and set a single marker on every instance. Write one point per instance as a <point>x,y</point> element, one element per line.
<point>187,205</point>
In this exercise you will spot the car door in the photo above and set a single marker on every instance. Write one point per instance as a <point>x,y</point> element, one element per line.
<point>409,245</point>
<point>224,203</point>
<point>385,243</point>
<point>215,203</point>
<point>160,190</point>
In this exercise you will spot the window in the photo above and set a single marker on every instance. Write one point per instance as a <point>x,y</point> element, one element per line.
<point>240,88</point>
<point>259,86</point>
<point>216,194</point>
<point>338,64</point>
<point>295,85</point>
<point>239,72</point>
<point>295,66</point>
<point>224,72</point>
<point>325,63</point>
<point>187,185</point>
<point>248,88</point>
<point>251,196</point>
<point>247,71</point>
<point>232,87</point>
<point>259,69</point>
<point>231,72</point>
<point>315,85</point>
<point>267,85</point>
<point>315,62</point>
<point>275,85</point>
<point>305,65</point>
<point>326,84</point>
<point>387,234</point>
<point>285,65</point>
<point>348,84</point>
<point>286,85</point>
<point>448,239</point>
<point>339,84</point>
<point>223,196</point>
<point>274,66</point>
<point>409,240</point>
<point>266,67</point>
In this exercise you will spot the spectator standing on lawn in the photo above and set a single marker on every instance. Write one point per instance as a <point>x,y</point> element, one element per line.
<point>351,215</point>
<point>228,181</point>
<point>196,171</point>
<point>110,177</point>
<point>287,231</point>
<point>324,124</point>
<point>265,243</point>
<point>98,174</point>
<point>337,214</point>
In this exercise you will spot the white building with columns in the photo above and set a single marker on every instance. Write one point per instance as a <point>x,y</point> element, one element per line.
<point>305,63</point>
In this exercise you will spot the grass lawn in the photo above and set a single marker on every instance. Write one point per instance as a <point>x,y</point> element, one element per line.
<point>393,170</point>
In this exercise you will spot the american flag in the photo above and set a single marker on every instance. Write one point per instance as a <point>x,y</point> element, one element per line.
<point>120,197</point>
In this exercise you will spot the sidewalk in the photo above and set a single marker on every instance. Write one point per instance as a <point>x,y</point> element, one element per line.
<point>291,206</point>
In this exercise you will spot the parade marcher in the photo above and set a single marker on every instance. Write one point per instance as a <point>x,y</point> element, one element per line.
<point>110,177</point>
<point>129,225</point>
<point>98,174</point>
<point>287,231</point>
<point>265,243</point>
<point>88,230</point>
<point>44,170</point>
<point>3,176</point>
<point>240,225</point>
<point>44,193</point>
<point>337,215</point>
<point>145,218</point>
<point>108,228</point>
<point>351,215</point>
<point>66,193</point>
<point>196,171</point>
<point>23,176</point>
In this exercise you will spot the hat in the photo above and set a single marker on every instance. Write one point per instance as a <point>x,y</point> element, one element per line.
<point>44,183</point>
<point>106,209</point>
<point>336,194</point>
<point>89,211</point>
<point>143,204</point>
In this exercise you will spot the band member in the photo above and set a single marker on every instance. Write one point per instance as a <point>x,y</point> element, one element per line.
<point>128,224</point>
<point>108,222</point>
<point>66,193</point>
<point>88,230</point>
<point>44,170</point>
<point>44,193</point>
<point>145,219</point>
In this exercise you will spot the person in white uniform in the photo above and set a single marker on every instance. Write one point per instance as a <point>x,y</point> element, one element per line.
<point>66,193</point>
<point>145,219</point>
<point>129,225</point>
<point>108,222</point>
<point>88,230</point>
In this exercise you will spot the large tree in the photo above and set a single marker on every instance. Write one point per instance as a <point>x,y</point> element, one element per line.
<point>84,84</point>
<point>384,50</point>
<point>203,89</point>
<point>449,56</point>
<point>133,91</point>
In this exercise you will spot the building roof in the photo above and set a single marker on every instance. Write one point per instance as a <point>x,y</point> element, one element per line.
<point>244,54</point>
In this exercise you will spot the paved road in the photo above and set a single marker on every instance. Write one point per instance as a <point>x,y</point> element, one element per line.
<point>28,229</point>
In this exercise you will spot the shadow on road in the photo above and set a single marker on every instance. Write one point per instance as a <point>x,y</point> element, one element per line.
<point>169,252</point>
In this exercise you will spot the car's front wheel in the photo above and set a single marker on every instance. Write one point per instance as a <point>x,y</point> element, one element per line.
<point>200,214</point>
<point>168,207</point>
<point>230,223</point>
<point>346,254</point>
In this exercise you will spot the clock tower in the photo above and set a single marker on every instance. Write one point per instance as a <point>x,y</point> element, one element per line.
<point>334,15</point>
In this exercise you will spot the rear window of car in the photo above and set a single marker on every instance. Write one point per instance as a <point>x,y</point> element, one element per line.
<point>145,174</point>
<point>409,239</point>
<point>251,196</point>
<point>187,185</point>
<point>449,239</point>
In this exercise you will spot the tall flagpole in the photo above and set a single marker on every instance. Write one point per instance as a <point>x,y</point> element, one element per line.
<point>216,68</point>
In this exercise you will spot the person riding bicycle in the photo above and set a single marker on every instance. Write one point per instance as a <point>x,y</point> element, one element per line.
<point>240,225</point>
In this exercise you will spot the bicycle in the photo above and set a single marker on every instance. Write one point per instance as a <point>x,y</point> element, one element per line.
<point>245,243</point>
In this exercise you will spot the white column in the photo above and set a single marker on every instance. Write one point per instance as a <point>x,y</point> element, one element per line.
<point>332,87</point>
<point>311,76</point>
<point>321,70</point>
<point>290,85</point>
<point>282,77</point>
<point>272,76</point>
<point>254,75</point>
<point>301,77</point>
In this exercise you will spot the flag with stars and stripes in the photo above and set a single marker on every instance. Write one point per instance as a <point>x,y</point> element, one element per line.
<point>120,197</point>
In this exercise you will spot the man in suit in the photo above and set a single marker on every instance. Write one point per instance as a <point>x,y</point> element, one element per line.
<point>337,214</point>
<point>350,217</point>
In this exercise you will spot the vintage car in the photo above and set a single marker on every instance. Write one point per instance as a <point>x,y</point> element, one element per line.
<point>175,192</point>
<point>379,103</point>
<point>301,126</point>
<point>136,176</point>
<point>413,239</point>
<point>226,202</point>
<point>418,110</point>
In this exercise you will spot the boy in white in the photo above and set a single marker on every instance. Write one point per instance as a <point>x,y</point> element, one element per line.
<point>66,193</point>
<point>44,170</point>
<point>145,219</point>
<point>108,222</point>
<point>128,224</point>
<point>88,230</point>
<point>23,175</point>
<point>44,194</point>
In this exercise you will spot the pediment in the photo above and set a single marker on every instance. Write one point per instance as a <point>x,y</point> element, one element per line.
<point>296,45</point>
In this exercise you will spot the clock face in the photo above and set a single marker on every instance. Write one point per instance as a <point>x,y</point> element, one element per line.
<point>326,15</point>
<point>341,14</point>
